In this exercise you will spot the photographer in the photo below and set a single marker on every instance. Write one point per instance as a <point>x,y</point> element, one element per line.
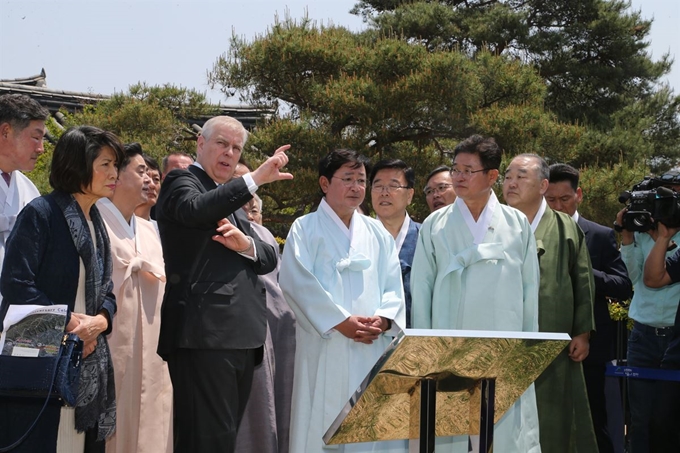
<point>653,312</point>
<point>661,271</point>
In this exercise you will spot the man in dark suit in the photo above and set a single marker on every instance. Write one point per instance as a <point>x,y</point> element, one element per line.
<point>611,281</point>
<point>213,318</point>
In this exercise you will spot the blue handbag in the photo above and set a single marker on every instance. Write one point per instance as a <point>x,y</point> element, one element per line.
<point>43,377</point>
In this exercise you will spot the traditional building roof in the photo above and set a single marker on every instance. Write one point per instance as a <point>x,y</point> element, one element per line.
<point>55,100</point>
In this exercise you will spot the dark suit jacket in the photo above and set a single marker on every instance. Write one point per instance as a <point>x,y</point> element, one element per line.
<point>213,297</point>
<point>611,280</point>
<point>408,249</point>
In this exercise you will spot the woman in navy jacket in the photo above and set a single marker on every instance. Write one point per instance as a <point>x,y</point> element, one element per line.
<point>59,253</point>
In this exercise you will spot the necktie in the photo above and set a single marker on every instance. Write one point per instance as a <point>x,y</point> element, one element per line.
<point>7,177</point>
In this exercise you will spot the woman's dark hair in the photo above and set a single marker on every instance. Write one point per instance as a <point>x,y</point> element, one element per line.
<point>74,156</point>
<point>339,157</point>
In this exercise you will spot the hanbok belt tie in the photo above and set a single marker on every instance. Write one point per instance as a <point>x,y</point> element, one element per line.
<point>481,252</point>
<point>137,264</point>
<point>356,262</point>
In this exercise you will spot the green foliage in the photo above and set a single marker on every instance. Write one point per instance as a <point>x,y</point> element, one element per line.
<point>152,116</point>
<point>383,96</point>
<point>592,54</point>
<point>602,186</point>
<point>618,311</point>
<point>571,81</point>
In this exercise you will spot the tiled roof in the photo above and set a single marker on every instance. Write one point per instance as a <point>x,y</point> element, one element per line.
<point>72,101</point>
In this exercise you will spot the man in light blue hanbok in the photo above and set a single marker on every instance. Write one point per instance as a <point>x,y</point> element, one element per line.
<point>476,268</point>
<point>340,274</point>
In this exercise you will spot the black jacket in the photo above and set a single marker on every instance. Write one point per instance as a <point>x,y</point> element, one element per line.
<point>611,280</point>
<point>213,298</point>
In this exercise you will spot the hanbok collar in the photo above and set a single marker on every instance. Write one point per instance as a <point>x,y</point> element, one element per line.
<point>130,229</point>
<point>482,225</point>
<point>9,190</point>
<point>401,237</point>
<point>403,231</point>
<point>539,215</point>
<point>325,207</point>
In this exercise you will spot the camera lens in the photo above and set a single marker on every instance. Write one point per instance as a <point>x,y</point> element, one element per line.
<point>640,221</point>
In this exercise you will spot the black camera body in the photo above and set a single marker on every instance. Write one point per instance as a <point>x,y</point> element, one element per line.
<point>649,202</point>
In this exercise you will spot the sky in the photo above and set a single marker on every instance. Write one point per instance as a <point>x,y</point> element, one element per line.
<point>104,47</point>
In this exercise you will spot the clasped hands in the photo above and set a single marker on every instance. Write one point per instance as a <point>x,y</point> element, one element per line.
<point>88,329</point>
<point>363,329</point>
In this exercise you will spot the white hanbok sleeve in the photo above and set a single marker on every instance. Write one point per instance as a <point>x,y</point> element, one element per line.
<point>313,305</point>
<point>392,304</point>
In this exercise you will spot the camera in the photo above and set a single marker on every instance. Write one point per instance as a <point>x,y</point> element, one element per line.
<point>649,202</point>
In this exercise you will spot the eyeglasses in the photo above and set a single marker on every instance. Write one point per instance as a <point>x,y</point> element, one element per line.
<point>465,173</point>
<point>389,188</point>
<point>441,188</point>
<point>350,182</point>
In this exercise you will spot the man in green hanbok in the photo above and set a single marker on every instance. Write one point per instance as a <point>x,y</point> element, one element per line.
<point>565,304</point>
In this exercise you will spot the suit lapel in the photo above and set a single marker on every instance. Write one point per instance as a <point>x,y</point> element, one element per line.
<point>583,224</point>
<point>208,184</point>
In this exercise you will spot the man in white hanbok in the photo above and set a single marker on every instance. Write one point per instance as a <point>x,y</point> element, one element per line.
<point>476,268</point>
<point>340,273</point>
<point>22,128</point>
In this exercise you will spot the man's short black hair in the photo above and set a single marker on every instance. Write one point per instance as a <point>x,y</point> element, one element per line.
<point>485,147</point>
<point>19,110</point>
<point>131,150</point>
<point>151,163</point>
<point>440,169</point>
<point>74,156</point>
<point>396,164</point>
<point>339,157</point>
<point>564,172</point>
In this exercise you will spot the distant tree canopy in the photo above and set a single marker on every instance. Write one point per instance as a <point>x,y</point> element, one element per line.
<point>385,97</point>
<point>151,115</point>
<point>570,81</point>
